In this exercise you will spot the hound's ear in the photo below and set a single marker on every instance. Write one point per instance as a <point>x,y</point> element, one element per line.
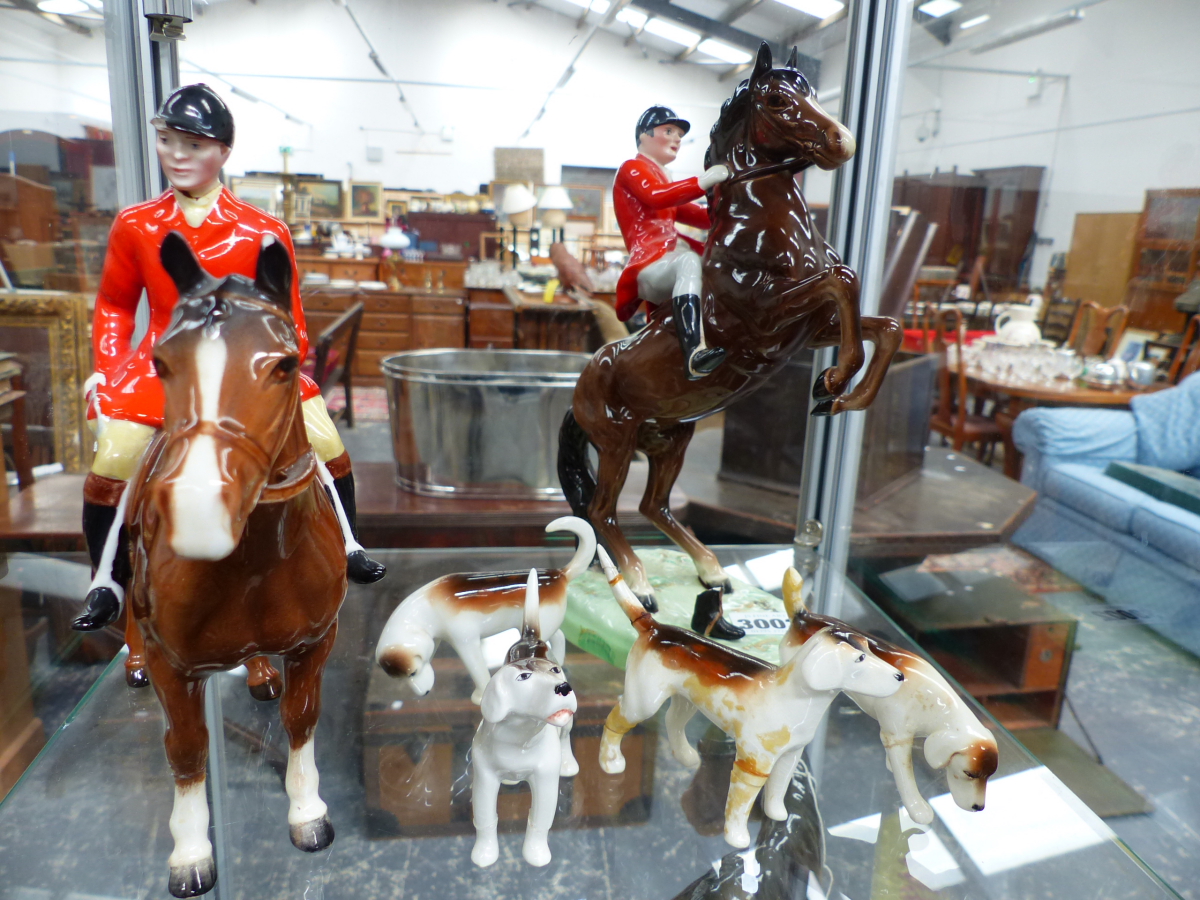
<point>791,63</point>
<point>940,746</point>
<point>822,667</point>
<point>763,64</point>
<point>181,264</point>
<point>793,589</point>
<point>274,274</point>
<point>496,703</point>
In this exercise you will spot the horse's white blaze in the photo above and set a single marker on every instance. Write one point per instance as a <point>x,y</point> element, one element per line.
<point>200,523</point>
<point>189,826</point>
<point>301,783</point>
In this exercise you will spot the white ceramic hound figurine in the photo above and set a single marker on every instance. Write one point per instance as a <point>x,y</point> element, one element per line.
<point>925,706</point>
<point>771,713</point>
<point>464,609</point>
<point>526,705</point>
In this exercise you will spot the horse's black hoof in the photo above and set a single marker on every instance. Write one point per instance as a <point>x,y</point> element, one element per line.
<point>820,388</point>
<point>725,631</point>
<point>102,610</point>
<point>193,880</point>
<point>361,569</point>
<point>648,602</point>
<point>312,836</point>
<point>137,678</point>
<point>267,690</point>
<point>824,408</point>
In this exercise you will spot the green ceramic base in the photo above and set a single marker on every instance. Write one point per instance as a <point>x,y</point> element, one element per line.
<point>595,623</point>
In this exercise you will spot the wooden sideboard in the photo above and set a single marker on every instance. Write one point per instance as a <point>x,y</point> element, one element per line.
<point>410,319</point>
<point>490,319</point>
<point>432,274</point>
<point>354,269</point>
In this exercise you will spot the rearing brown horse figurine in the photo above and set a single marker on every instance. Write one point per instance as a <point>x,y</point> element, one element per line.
<point>236,546</point>
<point>771,287</point>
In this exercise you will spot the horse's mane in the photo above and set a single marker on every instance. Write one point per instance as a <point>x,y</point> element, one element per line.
<point>734,111</point>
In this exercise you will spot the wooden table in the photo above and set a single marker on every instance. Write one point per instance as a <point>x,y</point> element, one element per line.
<point>1021,395</point>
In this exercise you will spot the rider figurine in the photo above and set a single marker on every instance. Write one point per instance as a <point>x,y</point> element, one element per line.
<point>664,264</point>
<point>195,136</point>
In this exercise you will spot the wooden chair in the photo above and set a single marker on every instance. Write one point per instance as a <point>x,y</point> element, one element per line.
<point>1187,357</point>
<point>335,358</point>
<point>1058,320</point>
<point>952,419</point>
<point>1102,332</point>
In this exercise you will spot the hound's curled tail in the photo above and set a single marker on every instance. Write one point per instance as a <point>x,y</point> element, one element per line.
<point>531,628</point>
<point>585,552</point>
<point>641,619</point>
<point>574,467</point>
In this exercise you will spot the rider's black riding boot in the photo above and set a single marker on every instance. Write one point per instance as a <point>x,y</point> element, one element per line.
<point>699,363</point>
<point>708,617</point>
<point>360,568</point>
<point>102,606</point>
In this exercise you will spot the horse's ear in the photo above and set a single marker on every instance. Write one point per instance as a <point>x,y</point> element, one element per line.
<point>763,64</point>
<point>791,63</point>
<point>181,263</point>
<point>274,274</point>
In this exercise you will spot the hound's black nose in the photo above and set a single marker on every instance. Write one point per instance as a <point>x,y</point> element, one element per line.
<point>563,688</point>
<point>899,676</point>
<point>976,807</point>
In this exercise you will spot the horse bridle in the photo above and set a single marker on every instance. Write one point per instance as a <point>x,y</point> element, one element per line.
<point>788,165</point>
<point>297,476</point>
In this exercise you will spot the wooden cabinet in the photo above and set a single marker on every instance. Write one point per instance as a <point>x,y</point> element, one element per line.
<point>490,319</point>
<point>430,275</point>
<point>393,321</point>
<point>353,269</point>
<point>1165,260</point>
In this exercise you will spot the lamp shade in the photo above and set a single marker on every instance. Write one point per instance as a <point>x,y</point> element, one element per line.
<point>518,199</point>
<point>555,196</point>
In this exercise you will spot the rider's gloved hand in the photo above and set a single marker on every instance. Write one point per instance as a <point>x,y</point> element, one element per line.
<point>714,175</point>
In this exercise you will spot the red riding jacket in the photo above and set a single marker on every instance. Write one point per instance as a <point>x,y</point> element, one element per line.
<point>227,242</point>
<point>647,206</point>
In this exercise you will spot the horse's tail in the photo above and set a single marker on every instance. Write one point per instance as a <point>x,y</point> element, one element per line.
<point>633,608</point>
<point>574,468</point>
<point>585,552</point>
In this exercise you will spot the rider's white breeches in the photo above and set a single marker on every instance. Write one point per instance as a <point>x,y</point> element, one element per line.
<point>673,275</point>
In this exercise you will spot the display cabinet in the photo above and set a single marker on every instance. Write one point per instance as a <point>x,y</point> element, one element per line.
<point>91,814</point>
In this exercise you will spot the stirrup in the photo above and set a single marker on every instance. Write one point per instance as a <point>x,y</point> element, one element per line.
<point>703,361</point>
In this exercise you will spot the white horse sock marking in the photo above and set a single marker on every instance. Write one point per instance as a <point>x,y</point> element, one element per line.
<point>200,522</point>
<point>189,826</point>
<point>301,783</point>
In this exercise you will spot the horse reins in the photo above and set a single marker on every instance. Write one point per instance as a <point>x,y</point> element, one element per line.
<point>296,478</point>
<point>788,165</point>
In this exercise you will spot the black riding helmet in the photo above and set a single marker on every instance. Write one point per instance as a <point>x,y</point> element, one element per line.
<point>655,116</point>
<point>196,109</point>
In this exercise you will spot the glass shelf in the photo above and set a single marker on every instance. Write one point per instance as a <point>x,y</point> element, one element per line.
<point>90,816</point>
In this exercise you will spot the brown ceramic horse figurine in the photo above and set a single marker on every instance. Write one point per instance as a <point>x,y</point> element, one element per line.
<point>237,550</point>
<point>772,286</point>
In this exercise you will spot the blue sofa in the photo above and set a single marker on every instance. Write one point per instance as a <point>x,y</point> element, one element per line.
<point>1138,553</point>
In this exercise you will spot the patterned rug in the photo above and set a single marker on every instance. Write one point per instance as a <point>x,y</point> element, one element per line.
<point>370,403</point>
<point>1013,563</point>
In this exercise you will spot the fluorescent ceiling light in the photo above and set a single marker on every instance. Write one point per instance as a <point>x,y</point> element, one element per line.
<point>724,51</point>
<point>939,8</point>
<point>65,7</point>
<point>971,23</point>
<point>600,6</point>
<point>632,17</point>
<point>671,32</point>
<point>822,9</point>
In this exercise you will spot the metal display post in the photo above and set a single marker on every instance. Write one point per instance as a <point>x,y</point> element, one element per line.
<point>878,44</point>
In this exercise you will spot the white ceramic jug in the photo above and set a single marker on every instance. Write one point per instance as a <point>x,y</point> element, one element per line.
<point>1017,325</point>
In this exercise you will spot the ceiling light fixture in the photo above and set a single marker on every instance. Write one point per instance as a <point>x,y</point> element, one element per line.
<point>669,31</point>
<point>723,51</point>
<point>1070,17</point>
<point>65,7</point>
<point>971,23</point>
<point>939,8</point>
<point>599,6</point>
<point>822,9</point>
<point>632,17</point>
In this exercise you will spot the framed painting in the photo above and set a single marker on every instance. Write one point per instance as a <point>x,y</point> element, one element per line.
<point>366,202</point>
<point>48,332</point>
<point>257,190</point>
<point>326,197</point>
